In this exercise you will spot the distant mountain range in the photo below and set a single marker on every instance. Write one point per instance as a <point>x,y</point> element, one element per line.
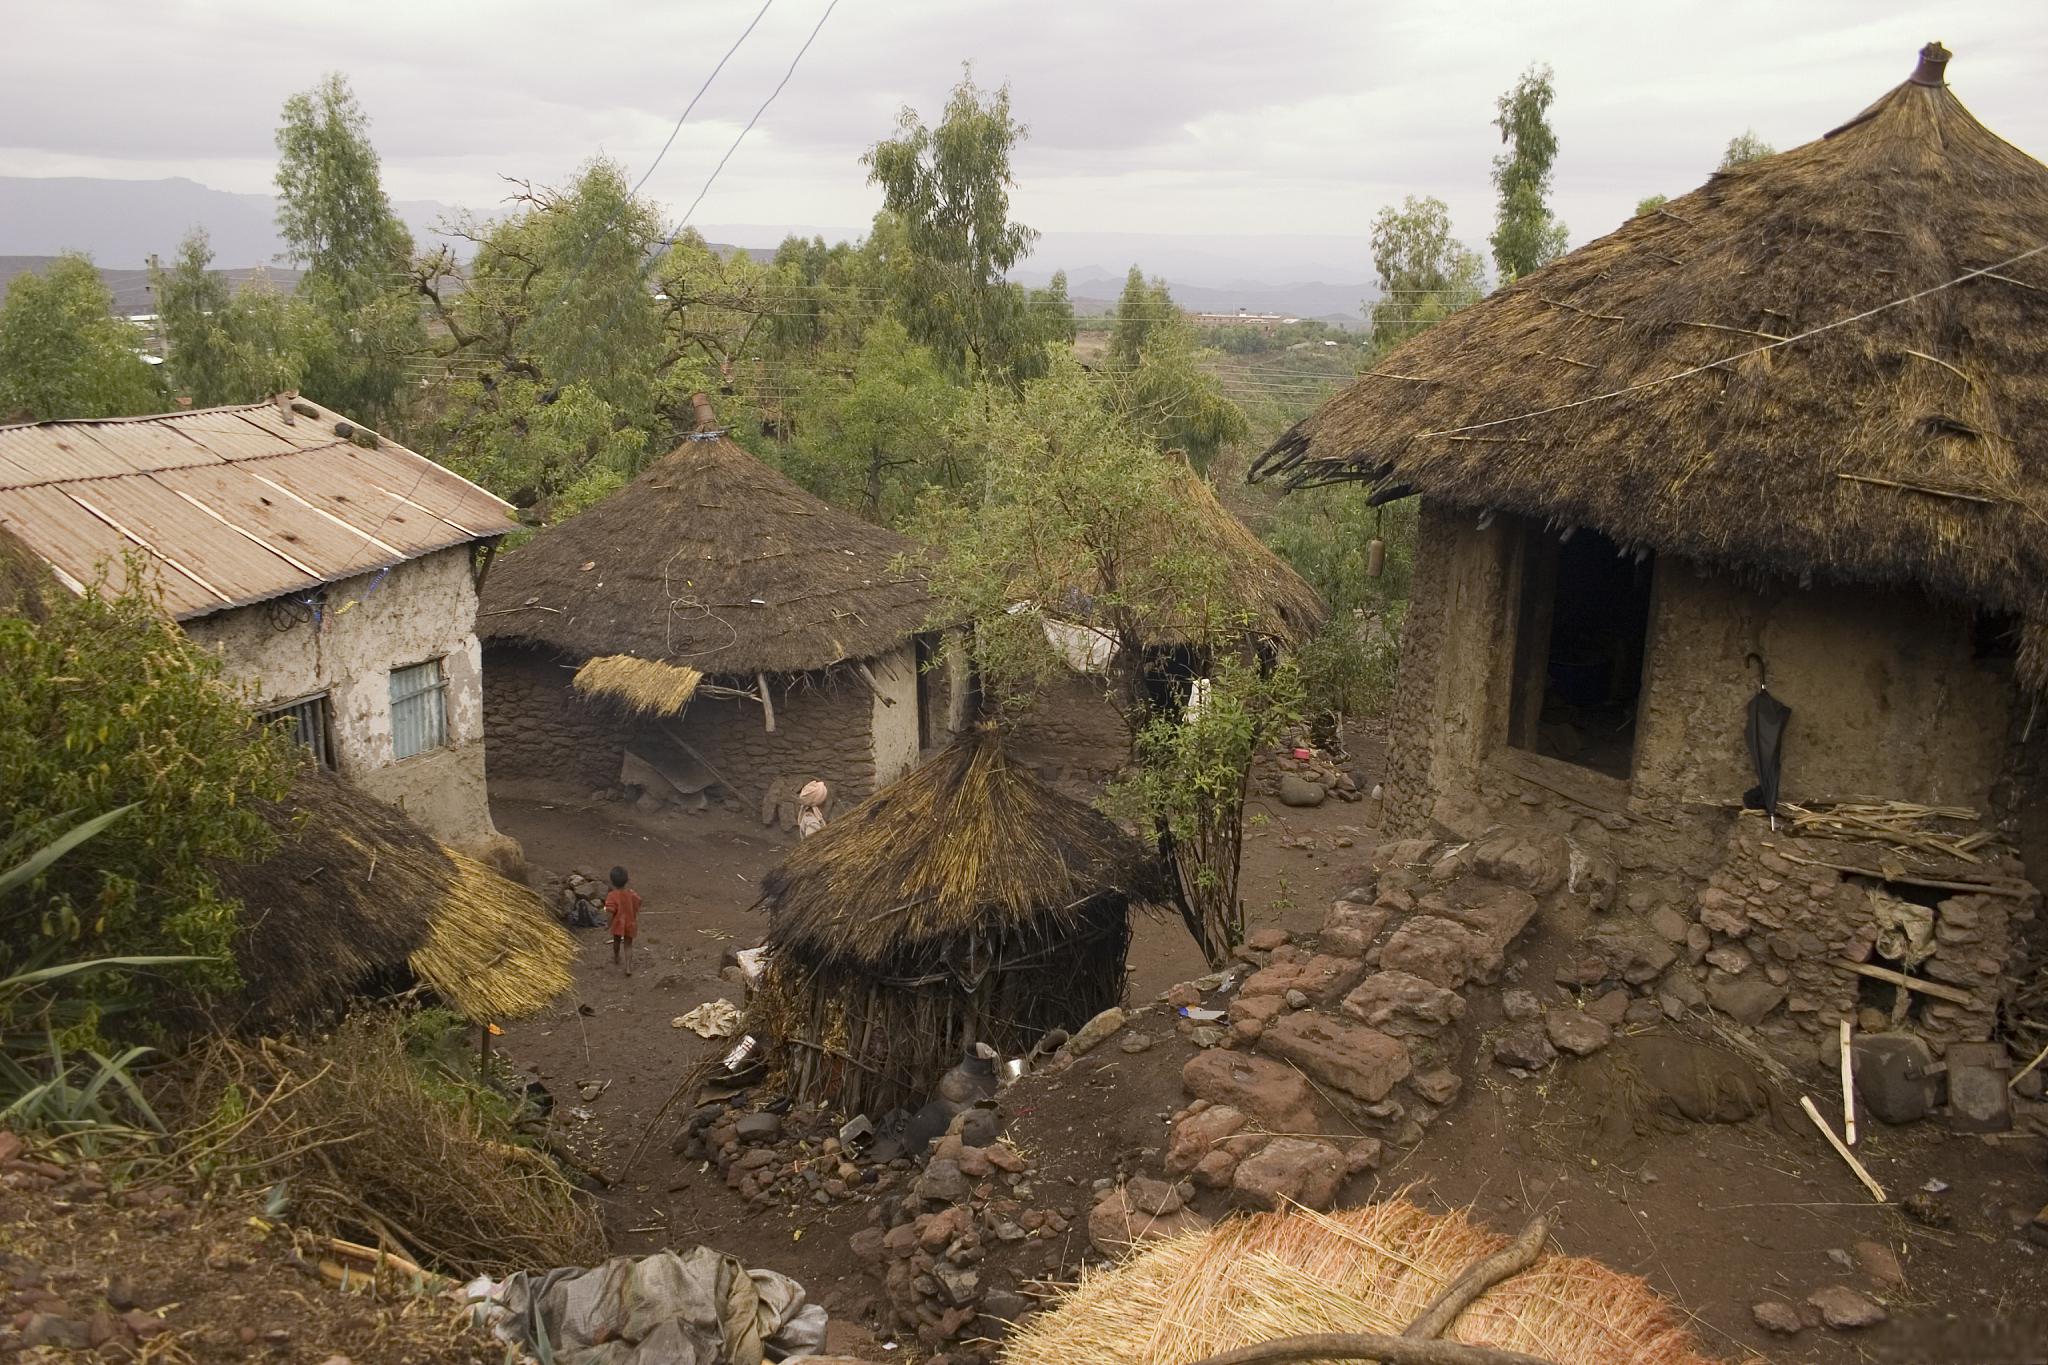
<point>130,287</point>
<point>122,223</point>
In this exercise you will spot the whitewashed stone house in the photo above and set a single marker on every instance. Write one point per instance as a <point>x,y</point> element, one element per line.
<point>335,571</point>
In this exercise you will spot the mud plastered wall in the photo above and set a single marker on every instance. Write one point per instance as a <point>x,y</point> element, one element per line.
<point>362,629</point>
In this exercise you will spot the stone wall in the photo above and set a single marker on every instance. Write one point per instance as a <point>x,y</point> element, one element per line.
<point>1072,734</point>
<point>346,649</point>
<point>541,731</point>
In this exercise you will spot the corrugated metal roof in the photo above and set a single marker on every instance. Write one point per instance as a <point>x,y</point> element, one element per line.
<point>235,505</point>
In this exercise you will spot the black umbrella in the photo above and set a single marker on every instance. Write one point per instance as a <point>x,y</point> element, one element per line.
<point>1765,734</point>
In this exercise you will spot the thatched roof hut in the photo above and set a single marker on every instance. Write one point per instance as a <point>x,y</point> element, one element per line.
<point>1828,363</point>
<point>1277,604</point>
<point>357,898</point>
<point>966,903</point>
<point>1789,431</point>
<point>712,560</point>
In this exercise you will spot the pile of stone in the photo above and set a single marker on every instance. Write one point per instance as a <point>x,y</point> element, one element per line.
<point>955,1248</point>
<point>1295,774</point>
<point>788,1159</point>
<point>577,897</point>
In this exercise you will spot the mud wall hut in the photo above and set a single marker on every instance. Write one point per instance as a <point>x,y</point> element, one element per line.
<point>713,628</point>
<point>1789,429</point>
<point>966,903</point>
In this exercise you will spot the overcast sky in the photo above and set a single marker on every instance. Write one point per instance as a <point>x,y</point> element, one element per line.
<point>1146,116</point>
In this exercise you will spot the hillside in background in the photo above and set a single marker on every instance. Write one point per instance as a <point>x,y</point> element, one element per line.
<point>130,287</point>
<point>121,223</point>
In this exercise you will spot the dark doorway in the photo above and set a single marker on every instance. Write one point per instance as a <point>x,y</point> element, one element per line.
<point>1579,645</point>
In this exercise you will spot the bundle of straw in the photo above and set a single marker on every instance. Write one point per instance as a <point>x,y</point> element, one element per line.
<point>489,951</point>
<point>1373,1269</point>
<point>644,687</point>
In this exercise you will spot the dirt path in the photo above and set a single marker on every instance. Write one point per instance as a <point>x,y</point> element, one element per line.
<point>1715,1217</point>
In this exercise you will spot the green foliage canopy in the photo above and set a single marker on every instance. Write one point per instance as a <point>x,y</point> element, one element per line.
<point>230,348</point>
<point>1745,146</point>
<point>1425,273</point>
<point>1526,234</point>
<point>63,353</point>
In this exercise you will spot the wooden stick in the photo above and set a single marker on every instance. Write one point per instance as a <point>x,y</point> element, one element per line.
<point>1869,1183</point>
<point>1367,1346</point>
<point>1511,1260</point>
<point>1911,983</point>
<point>2021,1074</point>
<point>1848,1089</point>
<point>1981,888</point>
<point>1922,488</point>
<point>767,703</point>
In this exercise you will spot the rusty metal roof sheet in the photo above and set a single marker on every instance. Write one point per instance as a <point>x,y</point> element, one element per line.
<point>233,505</point>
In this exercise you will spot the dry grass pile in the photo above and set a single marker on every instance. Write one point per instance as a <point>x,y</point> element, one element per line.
<point>1373,1269</point>
<point>357,898</point>
<point>641,687</point>
<point>491,951</point>
<point>376,1144</point>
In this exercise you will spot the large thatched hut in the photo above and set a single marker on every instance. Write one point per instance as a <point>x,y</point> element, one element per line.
<point>358,900</point>
<point>966,903</point>
<point>1791,427</point>
<point>712,626</point>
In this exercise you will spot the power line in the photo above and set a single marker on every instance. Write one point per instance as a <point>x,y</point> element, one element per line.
<point>713,178</point>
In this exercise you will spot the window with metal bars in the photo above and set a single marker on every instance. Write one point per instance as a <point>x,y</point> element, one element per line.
<point>310,723</point>
<point>419,709</point>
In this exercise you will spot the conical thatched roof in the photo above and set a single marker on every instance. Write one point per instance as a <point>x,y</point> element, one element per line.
<point>1906,446</point>
<point>1280,604</point>
<point>358,898</point>
<point>712,560</point>
<point>968,843</point>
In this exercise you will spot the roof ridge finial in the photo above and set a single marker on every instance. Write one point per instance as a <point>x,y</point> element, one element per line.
<point>1933,66</point>
<point>707,420</point>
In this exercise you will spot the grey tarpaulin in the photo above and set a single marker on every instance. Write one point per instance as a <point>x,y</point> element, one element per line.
<point>699,1307</point>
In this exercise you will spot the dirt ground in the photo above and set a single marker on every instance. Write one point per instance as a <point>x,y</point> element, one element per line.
<point>141,1271</point>
<point>1715,1217</point>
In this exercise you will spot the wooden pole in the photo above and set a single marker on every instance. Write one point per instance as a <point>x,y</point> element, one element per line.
<point>767,702</point>
<point>1911,983</point>
<point>1869,1182</point>
<point>1848,1089</point>
<point>1511,1260</point>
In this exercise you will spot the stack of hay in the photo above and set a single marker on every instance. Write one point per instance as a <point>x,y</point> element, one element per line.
<point>1369,1270</point>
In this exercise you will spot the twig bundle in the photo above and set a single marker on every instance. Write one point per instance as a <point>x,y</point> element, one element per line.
<point>1373,1269</point>
<point>368,1148</point>
<point>643,687</point>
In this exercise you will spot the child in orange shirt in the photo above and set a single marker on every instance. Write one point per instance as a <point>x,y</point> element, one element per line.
<point>622,908</point>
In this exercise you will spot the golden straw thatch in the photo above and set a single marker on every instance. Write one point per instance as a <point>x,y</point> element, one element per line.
<point>965,903</point>
<point>358,899</point>
<point>1278,602</point>
<point>711,559</point>
<point>1372,1269</point>
<point>968,843</point>
<point>644,687</point>
<point>1908,446</point>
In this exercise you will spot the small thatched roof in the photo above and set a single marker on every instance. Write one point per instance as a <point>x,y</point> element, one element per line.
<point>1279,603</point>
<point>357,897</point>
<point>641,687</point>
<point>712,560</point>
<point>969,844</point>
<point>1906,445</point>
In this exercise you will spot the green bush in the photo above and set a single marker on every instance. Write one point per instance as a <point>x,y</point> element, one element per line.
<point>107,704</point>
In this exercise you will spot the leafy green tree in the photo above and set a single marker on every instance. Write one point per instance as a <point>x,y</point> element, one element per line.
<point>1141,310</point>
<point>1154,378</point>
<point>1745,147</point>
<point>338,224</point>
<point>109,705</point>
<point>63,353</point>
<point>1079,519</point>
<point>1052,313</point>
<point>1425,274</point>
<point>946,190</point>
<point>223,347</point>
<point>876,433</point>
<point>1650,203</point>
<point>1526,234</point>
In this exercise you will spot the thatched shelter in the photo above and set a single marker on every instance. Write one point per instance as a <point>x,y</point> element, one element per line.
<point>966,903</point>
<point>1791,428</point>
<point>357,900</point>
<point>721,624</point>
